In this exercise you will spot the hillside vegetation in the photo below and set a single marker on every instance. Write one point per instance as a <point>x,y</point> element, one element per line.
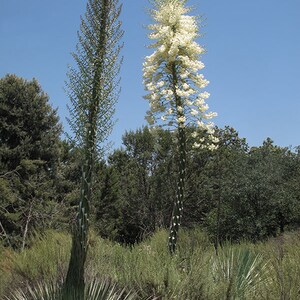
<point>265,270</point>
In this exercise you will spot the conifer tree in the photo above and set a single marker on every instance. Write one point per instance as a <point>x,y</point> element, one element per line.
<point>93,88</point>
<point>174,85</point>
<point>29,158</point>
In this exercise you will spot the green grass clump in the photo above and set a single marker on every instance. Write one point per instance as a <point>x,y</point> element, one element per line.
<point>6,266</point>
<point>45,261</point>
<point>148,267</point>
<point>283,253</point>
<point>269,270</point>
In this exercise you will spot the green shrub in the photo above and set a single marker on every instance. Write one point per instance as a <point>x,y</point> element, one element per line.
<point>46,260</point>
<point>6,268</point>
<point>269,270</point>
<point>283,254</point>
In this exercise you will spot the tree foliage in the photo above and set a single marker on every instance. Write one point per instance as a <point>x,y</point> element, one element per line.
<point>29,156</point>
<point>235,192</point>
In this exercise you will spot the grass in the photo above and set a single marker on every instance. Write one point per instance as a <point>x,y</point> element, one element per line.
<point>269,270</point>
<point>45,261</point>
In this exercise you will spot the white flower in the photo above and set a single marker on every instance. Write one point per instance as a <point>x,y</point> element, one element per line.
<point>160,84</point>
<point>214,139</point>
<point>181,119</point>
<point>201,125</point>
<point>185,86</point>
<point>204,95</point>
<point>162,48</point>
<point>170,92</point>
<point>199,102</point>
<point>184,73</point>
<point>154,96</point>
<point>194,112</point>
<point>209,115</point>
<point>203,107</point>
<point>194,134</point>
<point>212,147</point>
<point>210,128</point>
<point>150,86</point>
<point>188,102</point>
<point>170,111</point>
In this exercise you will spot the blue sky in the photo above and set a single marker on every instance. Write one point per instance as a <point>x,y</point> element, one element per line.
<point>252,60</point>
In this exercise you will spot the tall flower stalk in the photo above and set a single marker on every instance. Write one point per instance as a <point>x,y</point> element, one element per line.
<point>93,91</point>
<point>175,88</point>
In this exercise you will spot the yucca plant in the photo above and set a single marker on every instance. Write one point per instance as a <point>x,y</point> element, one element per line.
<point>93,91</point>
<point>175,88</point>
<point>42,291</point>
<point>96,290</point>
<point>240,270</point>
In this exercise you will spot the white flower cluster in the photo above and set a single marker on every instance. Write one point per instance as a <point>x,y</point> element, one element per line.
<point>171,73</point>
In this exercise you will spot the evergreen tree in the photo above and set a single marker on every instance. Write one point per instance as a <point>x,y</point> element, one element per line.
<point>29,155</point>
<point>29,126</point>
<point>93,91</point>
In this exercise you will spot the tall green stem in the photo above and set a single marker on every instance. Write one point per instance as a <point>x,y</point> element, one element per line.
<point>178,203</point>
<point>74,284</point>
